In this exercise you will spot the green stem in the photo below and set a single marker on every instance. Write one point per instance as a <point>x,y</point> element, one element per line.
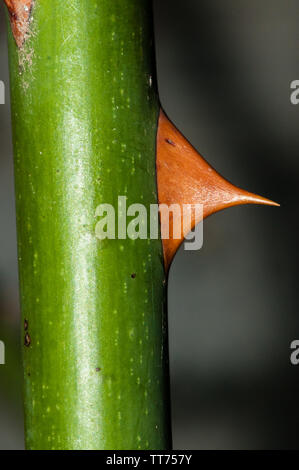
<point>84,112</point>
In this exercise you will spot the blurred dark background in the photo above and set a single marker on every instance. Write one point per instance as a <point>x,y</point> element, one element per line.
<point>224,71</point>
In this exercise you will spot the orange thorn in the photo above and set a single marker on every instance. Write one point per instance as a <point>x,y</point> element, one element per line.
<point>184,177</point>
<point>19,15</point>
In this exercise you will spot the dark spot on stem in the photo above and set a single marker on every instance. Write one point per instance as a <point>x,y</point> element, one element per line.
<point>133,275</point>
<point>98,369</point>
<point>170,142</point>
<point>27,341</point>
<point>26,325</point>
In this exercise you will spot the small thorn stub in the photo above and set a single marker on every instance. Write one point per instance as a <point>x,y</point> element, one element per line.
<point>19,15</point>
<point>185,177</point>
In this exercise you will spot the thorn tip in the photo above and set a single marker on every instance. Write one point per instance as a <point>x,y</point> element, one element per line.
<point>251,198</point>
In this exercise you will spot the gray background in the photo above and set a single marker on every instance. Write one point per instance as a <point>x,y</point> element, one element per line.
<point>224,72</point>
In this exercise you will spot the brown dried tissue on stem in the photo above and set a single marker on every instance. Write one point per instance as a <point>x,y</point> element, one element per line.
<point>19,15</point>
<point>185,178</point>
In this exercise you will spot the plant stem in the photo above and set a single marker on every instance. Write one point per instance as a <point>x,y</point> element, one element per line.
<point>84,113</point>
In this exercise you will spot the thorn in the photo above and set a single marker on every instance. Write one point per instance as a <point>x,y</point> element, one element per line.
<point>185,177</point>
<point>250,198</point>
<point>19,15</point>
